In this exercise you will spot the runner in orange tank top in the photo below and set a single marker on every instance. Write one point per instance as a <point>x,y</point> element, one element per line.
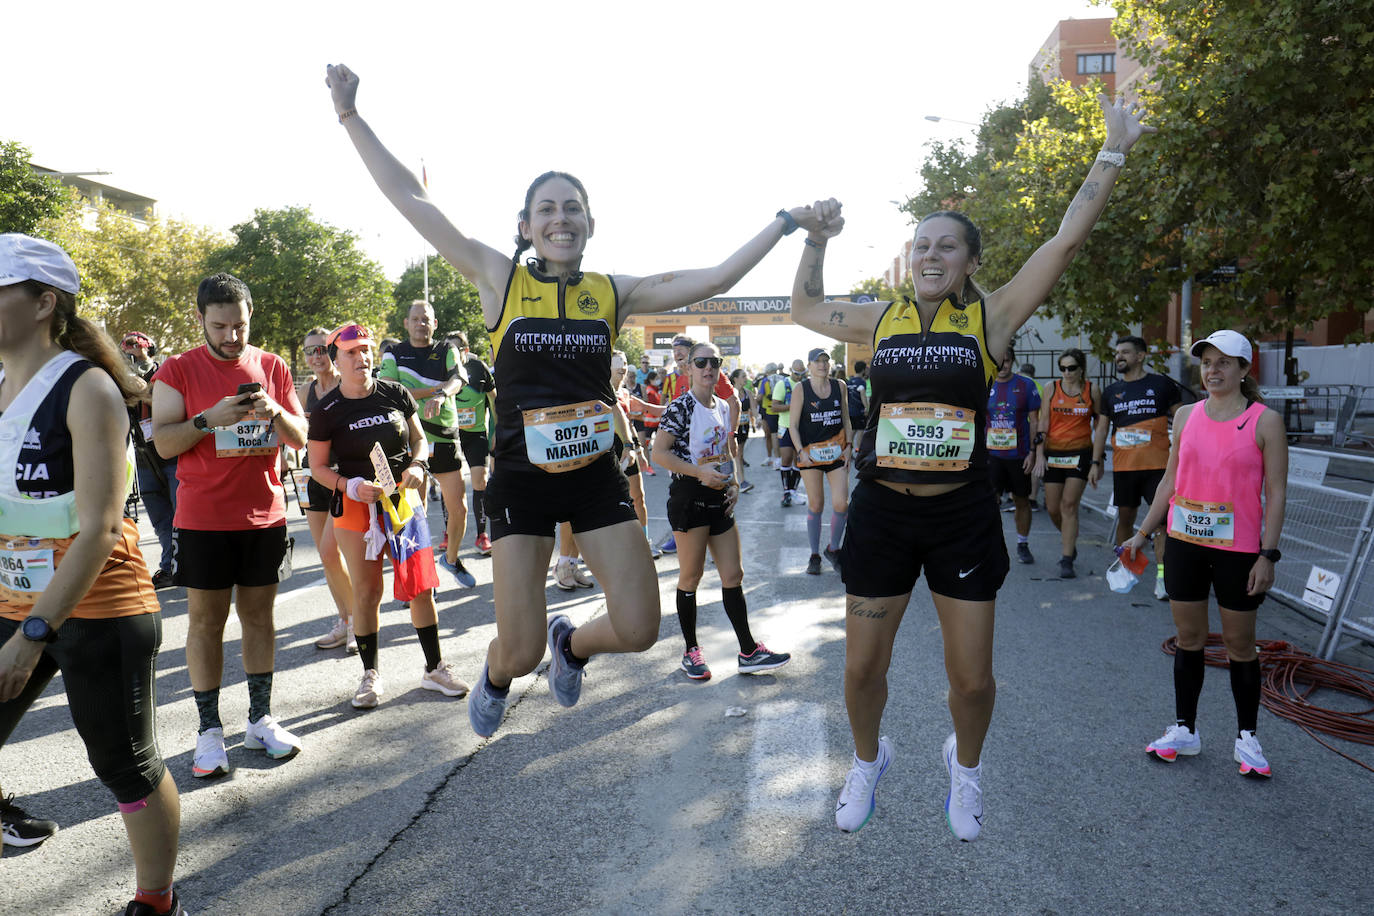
<point>1064,457</point>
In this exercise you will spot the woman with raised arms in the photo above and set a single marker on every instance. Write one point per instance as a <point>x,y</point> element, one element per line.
<point>923,498</point>
<point>552,326</point>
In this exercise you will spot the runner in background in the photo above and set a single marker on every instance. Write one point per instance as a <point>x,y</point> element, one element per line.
<point>1222,501</point>
<point>859,393</point>
<point>474,407</point>
<point>157,476</point>
<point>818,423</point>
<point>768,414</point>
<point>1065,454</point>
<point>748,418</point>
<point>1138,406</point>
<point>325,378</point>
<point>787,450</point>
<point>633,460</point>
<point>1013,423</point>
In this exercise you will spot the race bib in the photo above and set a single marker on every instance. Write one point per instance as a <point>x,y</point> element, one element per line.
<point>924,437</point>
<point>1208,524</point>
<point>1132,437</point>
<point>246,437</point>
<point>1068,462</point>
<point>465,417</point>
<point>827,452</point>
<point>26,569</point>
<point>146,427</point>
<point>567,437</point>
<point>1002,439</point>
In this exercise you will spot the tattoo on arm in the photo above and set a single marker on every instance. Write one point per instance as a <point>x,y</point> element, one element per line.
<point>814,285</point>
<point>870,609</point>
<point>837,319</point>
<point>659,281</point>
<point>1085,194</point>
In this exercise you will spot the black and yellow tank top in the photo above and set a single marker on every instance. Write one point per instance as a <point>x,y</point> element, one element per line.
<point>927,417</point>
<point>552,361</point>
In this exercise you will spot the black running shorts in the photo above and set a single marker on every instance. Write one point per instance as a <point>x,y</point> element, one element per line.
<point>443,458</point>
<point>691,506</point>
<point>1007,475</point>
<point>534,502</point>
<point>1130,487</point>
<point>1061,473</point>
<point>476,447</point>
<point>956,538</point>
<point>1191,571</point>
<point>222,559</point>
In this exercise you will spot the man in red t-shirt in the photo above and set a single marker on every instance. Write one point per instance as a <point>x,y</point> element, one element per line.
<point>224,409</point>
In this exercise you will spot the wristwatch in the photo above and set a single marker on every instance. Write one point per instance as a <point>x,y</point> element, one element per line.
<point>1273,555</point>
<point>38,630</point>
<point>200,423</point>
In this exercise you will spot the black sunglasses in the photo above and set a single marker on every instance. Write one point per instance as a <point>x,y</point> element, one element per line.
<point>701,362</point>
<point>1073,368</point>
<point>314,351</point>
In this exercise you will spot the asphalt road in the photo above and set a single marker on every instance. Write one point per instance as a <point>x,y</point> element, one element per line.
<point>648,797</point>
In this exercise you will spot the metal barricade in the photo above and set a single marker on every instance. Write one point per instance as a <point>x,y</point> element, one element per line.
<point>1320,413</point>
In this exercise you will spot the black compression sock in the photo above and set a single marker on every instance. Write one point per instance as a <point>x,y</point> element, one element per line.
<point>479,510</point>
<point>565,646</point>
<point>1189,670</point>
<point>738,611</point>
<point>207,707</point>
<point>259,695</point>
<point>1245,689</point>
<point>367,650</point>
<point>498,692</point>
<point>429,644</point>
<point>687,616</point>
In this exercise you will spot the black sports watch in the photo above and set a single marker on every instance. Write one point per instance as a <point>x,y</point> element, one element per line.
<point>37,629</point>
<point>1273,556</point>
<point>200,423</point>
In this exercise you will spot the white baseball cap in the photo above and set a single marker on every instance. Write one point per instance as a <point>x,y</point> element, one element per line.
<point>23,257</point>
<point>1228,342</point>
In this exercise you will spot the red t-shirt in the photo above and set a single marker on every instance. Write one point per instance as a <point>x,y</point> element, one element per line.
<point>227,494</point>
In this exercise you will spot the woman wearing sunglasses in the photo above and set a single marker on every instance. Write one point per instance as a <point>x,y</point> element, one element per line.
<point>1064,455</point>
<point>820,431</point>
<point>349,421</point>
<point>325,378</point>
<point>923,501</point>
<point>693,442</point>
<point>552,327</point>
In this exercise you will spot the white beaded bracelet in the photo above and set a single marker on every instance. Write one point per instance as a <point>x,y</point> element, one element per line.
<point>1111,158</point>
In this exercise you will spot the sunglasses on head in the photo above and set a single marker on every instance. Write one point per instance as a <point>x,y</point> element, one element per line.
<point>316,350</point>
<point>701,362</point>
<point>1073,367</point>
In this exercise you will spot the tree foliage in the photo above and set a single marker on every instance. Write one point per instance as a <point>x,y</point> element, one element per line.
<point>26,198</point>
<point>456,304</point>
<point>631,341</point>
<point>302,273</point>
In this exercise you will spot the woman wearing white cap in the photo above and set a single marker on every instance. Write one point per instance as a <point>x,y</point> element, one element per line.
<point>819,423</point>
<point>75,593</point>
<point>1223,493</point>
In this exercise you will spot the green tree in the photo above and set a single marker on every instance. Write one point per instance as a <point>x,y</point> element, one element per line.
<point>302,273</point>
<point>26,198</point>
<point>456,304</point>
<point>631,340</point>
<point>137,276</point>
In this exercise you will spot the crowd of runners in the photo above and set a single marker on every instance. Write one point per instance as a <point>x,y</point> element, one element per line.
<point>557,433</point>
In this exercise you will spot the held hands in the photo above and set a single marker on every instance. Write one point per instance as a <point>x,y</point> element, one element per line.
<point>1123,123</point>
<point>821,218</point>
<point>343,87</point>
<point>1261,577</point>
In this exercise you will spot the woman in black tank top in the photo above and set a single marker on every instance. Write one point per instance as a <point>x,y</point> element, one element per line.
<point>923,503</point>
<point>324,379</point>
<point>821,433</point>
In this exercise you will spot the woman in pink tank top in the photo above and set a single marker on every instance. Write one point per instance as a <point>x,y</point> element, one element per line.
<point>1221,501</point>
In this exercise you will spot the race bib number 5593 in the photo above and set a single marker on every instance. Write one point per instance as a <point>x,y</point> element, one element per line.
<point>924,437</point>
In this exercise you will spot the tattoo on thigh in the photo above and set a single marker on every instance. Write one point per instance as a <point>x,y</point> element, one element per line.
<point>870,609</point>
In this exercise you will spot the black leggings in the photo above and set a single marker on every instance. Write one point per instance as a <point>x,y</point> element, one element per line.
<point>107,667</point>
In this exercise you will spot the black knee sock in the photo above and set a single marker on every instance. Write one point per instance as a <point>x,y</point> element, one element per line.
<point>738,612</point>
<point>1189,669</point>
<point>687,616</point>
<point>207,705</point>
<point>367,650</point>
<point>782,475</point>
<point>498,692</point>
<point>1245,689</point>
<point>259,695</point>
<point>429,643</point>
<point>479,511</point>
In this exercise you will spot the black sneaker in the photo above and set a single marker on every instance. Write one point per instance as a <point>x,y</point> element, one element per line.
<point>833,557</point>
<point>786,498</point>
<point>1023,553</point>
<point>1066,568</point>
<point>813,565</point>
<point>162,579</point>
<point>761,659</point>
<point>138,908</point>
<point>18,828</point>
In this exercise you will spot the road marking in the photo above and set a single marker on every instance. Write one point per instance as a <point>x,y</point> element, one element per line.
<point>794,523</point>
<point>787,769</point>
<point>297,592</point>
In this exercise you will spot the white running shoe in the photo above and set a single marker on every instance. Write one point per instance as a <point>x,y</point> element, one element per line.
<point>336,637</point>
<point>858,798</point>
<point>211,760</point>
<point>266,735</point>
<point>369,691</point>
<point>565,573</point>
<point>964,804</point>
<point>1250,756</point>
<point>1161,593</point>
<point>581,575</point>
<point>444,681</point>
<point>351,647</point>
<point>1177,740</point>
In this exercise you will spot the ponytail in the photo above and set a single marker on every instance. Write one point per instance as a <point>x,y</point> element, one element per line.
<point>72,332</point>
<point>1249,388</point>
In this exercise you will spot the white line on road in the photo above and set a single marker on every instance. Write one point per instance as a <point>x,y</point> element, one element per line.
<point>787,769</point>
<point>297,592</point>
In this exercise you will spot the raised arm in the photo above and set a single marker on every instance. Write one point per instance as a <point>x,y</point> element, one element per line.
<point>483,265</point>
<point>667,291</point>
<point>1011,306</point>
<point>847,321</point>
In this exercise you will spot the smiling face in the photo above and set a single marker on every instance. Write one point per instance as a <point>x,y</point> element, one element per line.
<point>225,326</point>
<point>1128,358</point>
<point>1221,374</point>
<point>559,223</point>
<point>316,353</point>
<point>940,259</point>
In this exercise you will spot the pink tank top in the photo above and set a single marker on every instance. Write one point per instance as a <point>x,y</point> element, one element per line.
<point>1216,501</point>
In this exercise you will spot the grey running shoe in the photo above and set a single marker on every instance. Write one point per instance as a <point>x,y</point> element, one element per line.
<point>484,710</point>
<point>833,556</point>
<point>565,679</point>
<point>1023,553</point>
<point>1066,568</point>
<point>761,660</point>
<point>813,565</point>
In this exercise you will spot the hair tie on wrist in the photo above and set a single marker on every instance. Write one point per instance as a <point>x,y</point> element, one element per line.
<point>812,243</point>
